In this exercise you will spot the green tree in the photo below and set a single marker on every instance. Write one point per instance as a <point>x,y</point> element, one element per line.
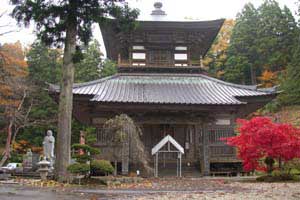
<point>88,68</point>
<point>44,65</point>
<point>277,31</point>
<point>242,50</point>
<point>291,81</point>
<point>262,40</point>
<point>108,68</point>
<point>67,22</point>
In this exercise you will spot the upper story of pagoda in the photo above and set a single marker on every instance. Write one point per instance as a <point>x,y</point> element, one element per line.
<point>160,44</point>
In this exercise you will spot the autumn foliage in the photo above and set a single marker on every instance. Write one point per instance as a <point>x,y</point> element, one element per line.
<point>13,68</point>
<point>13,90</point>
<point>22,146</point>
<point>261,142</point>
<point>268,79</point>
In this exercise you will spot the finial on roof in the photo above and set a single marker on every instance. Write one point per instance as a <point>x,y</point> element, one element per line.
<point>158,10</point>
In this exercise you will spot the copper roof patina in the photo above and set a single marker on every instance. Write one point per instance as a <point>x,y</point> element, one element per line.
<point>188,89</point>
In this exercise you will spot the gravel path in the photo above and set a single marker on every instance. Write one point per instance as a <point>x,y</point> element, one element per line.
<point>225,189</point>
<point>157,189</point>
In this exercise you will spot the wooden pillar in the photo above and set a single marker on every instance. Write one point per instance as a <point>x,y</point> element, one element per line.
<point>130,57</point>
<point>205,156</point>
<point>199,142</point>
<point>201,62</point>
<point>156,164</point>
<point>119,59</point>
<point>189,56</point>
<point>125,158</point>
<point>177,165</point>
<point>180,164</point>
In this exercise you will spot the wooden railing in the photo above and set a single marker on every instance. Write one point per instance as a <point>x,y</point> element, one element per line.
<point>174,63</point>
<point>217,147</point>
<point>222,151</point>
<point>144,64</point>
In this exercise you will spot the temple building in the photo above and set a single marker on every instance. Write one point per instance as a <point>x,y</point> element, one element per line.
<point>162,85</point>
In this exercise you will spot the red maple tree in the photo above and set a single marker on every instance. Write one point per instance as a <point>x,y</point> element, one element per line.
<point>260,140</point>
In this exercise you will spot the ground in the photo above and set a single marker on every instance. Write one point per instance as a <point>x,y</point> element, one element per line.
<point>171,188</point>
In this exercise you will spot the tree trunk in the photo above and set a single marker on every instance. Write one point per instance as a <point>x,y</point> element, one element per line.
<point>253,76</point>
<point>63,153</point>
<point>270,163</point>
<point>6,153</point>
<point>116,168</point>
<point>280,164</point>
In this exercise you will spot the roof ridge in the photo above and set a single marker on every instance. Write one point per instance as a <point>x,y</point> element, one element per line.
<point>184,21</point>
<point>247,87</point>
<point>77,85</point>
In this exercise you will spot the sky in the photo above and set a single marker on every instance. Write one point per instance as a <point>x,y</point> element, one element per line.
<point>175,9</point>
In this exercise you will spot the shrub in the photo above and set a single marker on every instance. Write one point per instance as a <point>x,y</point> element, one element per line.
<point>292,166</point>
<point>87,151</point>
<point>81,158</point>
<point>101,167</point>
<point>278,176</point>
<point>276,173</point>
<point>78,168</point>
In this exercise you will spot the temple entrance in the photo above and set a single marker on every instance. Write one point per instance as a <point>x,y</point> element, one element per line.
<point>185,135</point>
<point>159,149</point>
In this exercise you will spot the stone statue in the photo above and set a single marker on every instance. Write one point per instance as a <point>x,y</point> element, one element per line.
<point>48,147</point>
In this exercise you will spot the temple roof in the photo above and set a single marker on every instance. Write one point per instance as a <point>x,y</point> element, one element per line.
<point>200,33</point>
<point>189,89</point>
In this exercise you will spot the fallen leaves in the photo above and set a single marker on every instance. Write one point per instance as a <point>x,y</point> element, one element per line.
<point>41,183</point>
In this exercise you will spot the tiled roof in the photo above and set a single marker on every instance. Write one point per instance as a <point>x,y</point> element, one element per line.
<point>193,89</point>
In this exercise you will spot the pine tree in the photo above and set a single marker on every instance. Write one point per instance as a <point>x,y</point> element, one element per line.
<point>242,52</point>
<point>291,82</point>
<point>277,31</point>
<point>262,40</point>
<point>88,69</point>
<point>66,23</point>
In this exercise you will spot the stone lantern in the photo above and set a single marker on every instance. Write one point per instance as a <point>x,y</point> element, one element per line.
<point>44,168</point>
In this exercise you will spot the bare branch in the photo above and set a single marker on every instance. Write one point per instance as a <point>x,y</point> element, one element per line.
<point>22,101</point>
<point>7,32</point>
<point>7,25</point>
<point>3,13</point>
